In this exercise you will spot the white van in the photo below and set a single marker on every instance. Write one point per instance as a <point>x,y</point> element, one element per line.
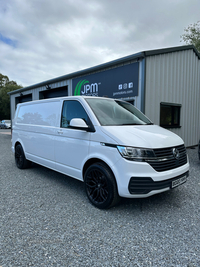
<point>109,144</point>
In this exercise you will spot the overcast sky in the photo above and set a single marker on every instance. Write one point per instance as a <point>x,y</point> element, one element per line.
<point>44,39</point>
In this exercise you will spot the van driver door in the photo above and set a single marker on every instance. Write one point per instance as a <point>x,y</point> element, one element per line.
<point>71,145</point>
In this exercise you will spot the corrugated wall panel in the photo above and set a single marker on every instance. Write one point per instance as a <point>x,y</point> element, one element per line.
<point>175,78</point>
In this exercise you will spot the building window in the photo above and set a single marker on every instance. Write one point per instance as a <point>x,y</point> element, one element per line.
<point>170,115</point>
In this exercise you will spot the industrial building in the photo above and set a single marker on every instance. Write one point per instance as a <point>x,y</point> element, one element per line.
<point>163,83</point>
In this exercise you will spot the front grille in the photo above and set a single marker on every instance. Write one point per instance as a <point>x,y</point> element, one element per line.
<point>144,185</point>
<point>165,159</point>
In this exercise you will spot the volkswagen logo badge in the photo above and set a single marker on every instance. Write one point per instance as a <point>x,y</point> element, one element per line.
<point>175,153</point>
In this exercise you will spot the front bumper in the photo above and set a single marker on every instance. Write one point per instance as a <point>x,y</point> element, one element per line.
<point>140,180</point>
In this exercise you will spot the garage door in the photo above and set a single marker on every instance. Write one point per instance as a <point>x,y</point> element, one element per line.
<point>51,93</point>
<point>23,98</point>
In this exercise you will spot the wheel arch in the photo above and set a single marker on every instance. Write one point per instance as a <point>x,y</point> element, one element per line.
<point>18,143</point>
<point>91,161</point>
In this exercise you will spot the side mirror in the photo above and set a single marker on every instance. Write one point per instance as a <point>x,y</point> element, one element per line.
<point>79,124</point>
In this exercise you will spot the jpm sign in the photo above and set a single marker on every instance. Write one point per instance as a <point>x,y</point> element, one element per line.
<point>120,82</point>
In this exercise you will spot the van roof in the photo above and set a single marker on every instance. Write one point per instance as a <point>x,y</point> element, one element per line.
<point>56,99</point>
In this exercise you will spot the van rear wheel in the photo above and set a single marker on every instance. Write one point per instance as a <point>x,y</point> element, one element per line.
<point>100,186</point>
<point>20,160</point>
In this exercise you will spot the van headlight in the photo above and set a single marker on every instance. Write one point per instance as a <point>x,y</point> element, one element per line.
<point>137,154</point>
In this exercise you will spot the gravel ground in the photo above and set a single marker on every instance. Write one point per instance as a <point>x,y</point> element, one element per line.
<point>47,220</point>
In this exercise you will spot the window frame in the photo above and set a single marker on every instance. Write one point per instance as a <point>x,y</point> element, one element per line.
<point>174,107</point>
<point>88,122</point>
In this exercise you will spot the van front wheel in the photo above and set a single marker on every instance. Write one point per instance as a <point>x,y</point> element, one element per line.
<point>100,186</point>
<point>20,160</point>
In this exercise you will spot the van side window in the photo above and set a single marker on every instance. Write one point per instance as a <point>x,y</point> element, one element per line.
<point>43,114</point>
<point>72,109</point>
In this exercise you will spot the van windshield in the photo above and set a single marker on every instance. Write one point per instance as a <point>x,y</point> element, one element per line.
<point>116,112</point>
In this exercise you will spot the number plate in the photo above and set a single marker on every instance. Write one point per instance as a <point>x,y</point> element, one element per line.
<point>179,181</point>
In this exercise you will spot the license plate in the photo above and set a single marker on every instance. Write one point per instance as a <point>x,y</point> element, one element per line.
<point>179,181</point>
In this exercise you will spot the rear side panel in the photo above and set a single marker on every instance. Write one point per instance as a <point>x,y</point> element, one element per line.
<point>34,127</point>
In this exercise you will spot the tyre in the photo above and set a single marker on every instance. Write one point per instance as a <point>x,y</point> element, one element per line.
<point>20,160</point>
<point>199,149</point>
<point>100,186</point>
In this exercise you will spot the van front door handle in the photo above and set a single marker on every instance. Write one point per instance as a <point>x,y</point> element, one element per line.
<point>60,132</point>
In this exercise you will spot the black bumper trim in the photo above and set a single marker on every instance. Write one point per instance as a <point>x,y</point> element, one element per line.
<point>144,185</point>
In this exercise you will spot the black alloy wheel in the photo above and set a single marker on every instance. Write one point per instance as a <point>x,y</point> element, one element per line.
<point>100,186</point>
<point>20,159</point>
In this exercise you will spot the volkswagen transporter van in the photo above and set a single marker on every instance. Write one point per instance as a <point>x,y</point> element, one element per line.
<point>108,144</point>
